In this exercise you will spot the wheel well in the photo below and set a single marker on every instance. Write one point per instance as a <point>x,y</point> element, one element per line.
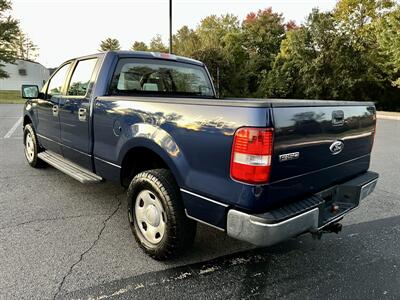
<point>27,120</point>
<point>138,160</point>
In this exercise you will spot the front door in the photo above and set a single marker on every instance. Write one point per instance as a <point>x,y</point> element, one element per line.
<point>48,125</point>
<point>75,114</point>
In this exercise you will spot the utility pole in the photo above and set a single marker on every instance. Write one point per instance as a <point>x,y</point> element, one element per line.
<point>170,26</point>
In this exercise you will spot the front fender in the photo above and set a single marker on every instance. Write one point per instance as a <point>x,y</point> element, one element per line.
<point>160,142</point>
<point>29,113</point>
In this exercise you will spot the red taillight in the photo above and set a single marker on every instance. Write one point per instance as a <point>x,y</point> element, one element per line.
<point>373,135</point>
<point>251,155</point>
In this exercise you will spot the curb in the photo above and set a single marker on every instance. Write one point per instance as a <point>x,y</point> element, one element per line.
<point>388,115</point>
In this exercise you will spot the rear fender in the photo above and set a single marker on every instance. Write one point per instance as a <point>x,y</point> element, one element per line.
<point>160,142</point>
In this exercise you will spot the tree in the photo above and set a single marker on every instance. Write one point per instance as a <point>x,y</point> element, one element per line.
<point>319,61</point>
<point>219,45</point>
<point>139,46</point>
<point>338,55</point>
<point>351,53</point>
<point>109,44</point>
<point>24,47</point>
<point>389,44</point>
<point>213,29</point>
<point>360,20</point>
<point>356,19</point>
<point>157,45</point>
<point>263,33</point>
<point>185,41</point>
<point>8,32</point>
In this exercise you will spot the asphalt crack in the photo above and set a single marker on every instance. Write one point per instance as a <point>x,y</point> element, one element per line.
<point>60,286</point>
<point>48,220</point>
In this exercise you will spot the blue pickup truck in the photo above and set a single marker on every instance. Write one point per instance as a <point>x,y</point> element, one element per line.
<point>261,170</point>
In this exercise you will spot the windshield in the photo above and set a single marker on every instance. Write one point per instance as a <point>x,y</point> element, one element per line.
<point>145,76</point>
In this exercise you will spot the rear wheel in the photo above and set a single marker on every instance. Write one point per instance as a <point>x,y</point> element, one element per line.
<point>31,147</point>
<point>157,216</point>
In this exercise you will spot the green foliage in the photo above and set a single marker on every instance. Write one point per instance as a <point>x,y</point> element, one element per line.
<point>263,33</point>
<point>139,46</point>
<point>8,31</point>
<point>24,47</point>
<point>337,55</point>
<point>389,41</point>
<point>350,53</point>
<point>357,19</point>
<point>235,52</point>
<point>157,45</point>
<point>219,47</point>
<point>318,61</point>
<point>109,44</point>
<point>186,41</point>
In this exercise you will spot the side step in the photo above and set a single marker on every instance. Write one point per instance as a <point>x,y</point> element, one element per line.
<point>69,168</point>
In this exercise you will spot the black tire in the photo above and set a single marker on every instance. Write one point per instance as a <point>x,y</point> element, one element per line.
<point>179,231</point>
<point>33,159</point>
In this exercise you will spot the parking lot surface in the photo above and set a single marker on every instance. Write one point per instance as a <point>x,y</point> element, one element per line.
<point>62,239</point>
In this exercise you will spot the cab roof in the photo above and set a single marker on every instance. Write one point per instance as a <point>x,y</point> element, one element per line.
<point>144,54</point>
<point>157,55</point>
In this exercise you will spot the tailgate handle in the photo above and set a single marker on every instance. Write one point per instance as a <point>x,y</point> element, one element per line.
<point>337,117</point>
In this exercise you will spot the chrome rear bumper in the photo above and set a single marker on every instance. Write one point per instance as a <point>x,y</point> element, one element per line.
<point>262,232</point>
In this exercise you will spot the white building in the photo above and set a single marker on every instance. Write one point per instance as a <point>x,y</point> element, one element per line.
<point>23,72</point>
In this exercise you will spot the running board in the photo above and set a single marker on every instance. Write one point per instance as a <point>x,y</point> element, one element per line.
<point>68,167</point>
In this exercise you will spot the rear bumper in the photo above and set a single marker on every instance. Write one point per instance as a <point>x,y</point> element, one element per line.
<point>307,215</point>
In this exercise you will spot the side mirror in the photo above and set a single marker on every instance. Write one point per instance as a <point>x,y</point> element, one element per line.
<point>29,91</point>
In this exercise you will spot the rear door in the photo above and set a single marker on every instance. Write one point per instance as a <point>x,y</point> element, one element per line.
<point>75,113</point>
<point>48,125</point>
<point>311,139</point>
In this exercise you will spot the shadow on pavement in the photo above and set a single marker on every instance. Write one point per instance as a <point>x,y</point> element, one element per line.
<point>362,262</point>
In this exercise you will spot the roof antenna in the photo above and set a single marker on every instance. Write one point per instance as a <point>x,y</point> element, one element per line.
<point>170,26</point>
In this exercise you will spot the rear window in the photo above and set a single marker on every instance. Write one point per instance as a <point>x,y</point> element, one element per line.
<point>158,77</point>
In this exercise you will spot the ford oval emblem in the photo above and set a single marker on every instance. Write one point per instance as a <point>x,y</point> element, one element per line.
<point>336,147</point>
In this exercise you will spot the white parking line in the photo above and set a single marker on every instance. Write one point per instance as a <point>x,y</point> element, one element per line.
<point>11,131</point>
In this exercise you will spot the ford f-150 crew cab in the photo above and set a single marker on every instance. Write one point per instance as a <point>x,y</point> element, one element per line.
<point>261,170</point>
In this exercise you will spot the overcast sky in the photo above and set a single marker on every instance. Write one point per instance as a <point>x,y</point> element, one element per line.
<point>65,29</point>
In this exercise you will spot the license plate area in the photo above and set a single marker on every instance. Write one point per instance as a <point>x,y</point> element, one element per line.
<point>334,206</point>
<point>340,199</point>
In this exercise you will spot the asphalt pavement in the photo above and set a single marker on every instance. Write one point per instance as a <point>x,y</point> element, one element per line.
<point>62,239</point>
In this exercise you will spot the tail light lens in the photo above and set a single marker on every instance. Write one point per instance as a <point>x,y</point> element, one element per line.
<point>373,135</point>
<point>251,155</point>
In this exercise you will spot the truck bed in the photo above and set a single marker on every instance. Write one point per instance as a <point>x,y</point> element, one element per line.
<point>203,141</point>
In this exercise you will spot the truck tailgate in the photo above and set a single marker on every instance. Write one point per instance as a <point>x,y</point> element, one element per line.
<point>308,140</point>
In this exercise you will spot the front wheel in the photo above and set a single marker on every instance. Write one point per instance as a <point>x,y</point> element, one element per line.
<point>31,147</point>
<point>157,216</point>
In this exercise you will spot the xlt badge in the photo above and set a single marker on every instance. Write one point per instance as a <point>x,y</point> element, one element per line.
<point>289,156</point>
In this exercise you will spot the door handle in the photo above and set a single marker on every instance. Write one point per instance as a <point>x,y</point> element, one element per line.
<point>82,114</point>
<point>55,110</point>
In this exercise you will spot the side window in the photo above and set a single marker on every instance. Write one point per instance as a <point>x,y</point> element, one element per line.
<point>81,77</point>
<point>57,81</point>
